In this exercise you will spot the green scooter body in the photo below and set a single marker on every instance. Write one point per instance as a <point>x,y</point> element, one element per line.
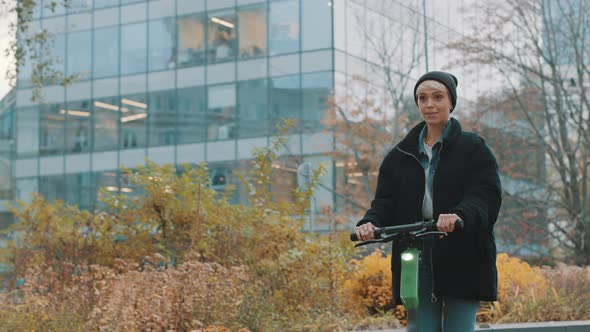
<point>409,277</point>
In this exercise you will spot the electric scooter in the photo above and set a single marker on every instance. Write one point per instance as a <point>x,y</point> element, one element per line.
<point>407,234</point>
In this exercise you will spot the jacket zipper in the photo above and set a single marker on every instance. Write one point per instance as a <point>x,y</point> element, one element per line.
<point>433,298</point>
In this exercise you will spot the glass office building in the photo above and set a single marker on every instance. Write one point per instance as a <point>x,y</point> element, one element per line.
<point>189,81</point>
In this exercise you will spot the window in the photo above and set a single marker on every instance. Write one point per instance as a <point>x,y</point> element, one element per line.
<point>317,24</point>
<point>24,188</point>
<point>106,113</point>
<point>162,54</point>
<point>284,27</point>
<point>316,88</point>
<point>133,121</point>
<point>76,6</point>
<point>78,127</point>
<point>52,187</point>
<point>221,114</point>
<point>79,54</point>
<point>56,58</point>
<point>252,36</point>
<point>285,96</point>
<point>52,138</point>
<point>27,131</point>
<point>356,27</point>
<point>222,37</point>
<point>191,126</point>
<point>191,41</point>
<point>133,49</point>
<point>105,3</point>
<point>53,8</point>
<point>80,189</point>
<point>162,115</point>
<point>106,52</point>
<point>253,108</point>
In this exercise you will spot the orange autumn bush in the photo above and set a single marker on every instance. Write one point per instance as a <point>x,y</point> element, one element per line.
<point>517,278</point>
<point>368,289</point>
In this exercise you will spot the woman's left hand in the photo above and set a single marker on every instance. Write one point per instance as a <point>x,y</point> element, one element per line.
<point>446,222</point>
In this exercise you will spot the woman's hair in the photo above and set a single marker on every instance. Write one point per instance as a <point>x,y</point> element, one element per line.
<point>431,84</point>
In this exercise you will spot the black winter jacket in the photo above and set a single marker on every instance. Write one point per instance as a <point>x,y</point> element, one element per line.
<point>466,183</point>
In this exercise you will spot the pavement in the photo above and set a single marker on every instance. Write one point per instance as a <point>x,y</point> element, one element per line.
<point>571,326</point>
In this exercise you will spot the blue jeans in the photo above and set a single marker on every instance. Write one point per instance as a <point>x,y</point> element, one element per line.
<point>446,314</point>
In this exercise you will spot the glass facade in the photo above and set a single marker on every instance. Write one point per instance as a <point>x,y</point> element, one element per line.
<point>198,81</point>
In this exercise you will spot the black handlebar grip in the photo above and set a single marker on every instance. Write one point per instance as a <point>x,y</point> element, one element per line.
<point>353,237</point>
<point>460,224</point>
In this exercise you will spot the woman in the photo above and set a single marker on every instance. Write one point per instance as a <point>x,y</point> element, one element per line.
<point>438,171</point>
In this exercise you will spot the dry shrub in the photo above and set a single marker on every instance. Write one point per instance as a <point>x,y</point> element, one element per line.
<point>129,297</point>
<point>193,295</point>
<point>533,294</point>
<point>569,292</point>
<point>369,287</point>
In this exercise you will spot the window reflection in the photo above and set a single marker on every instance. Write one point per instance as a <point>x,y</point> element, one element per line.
<point>133,48</point>
<point>76,6</point>
<point>56,59</point>
<point>316,88</point>
<point>221,114</point>
<point>191,41</point>
<point>80,189</point>
<point>106,181</point>
<point>106,117</point>
<point>53,8</point>
<point>252,36</point>
<point>79,54</point>
<point>133,121</point>
<point>222,37</point>
<point>106,52</point>
<point>24,188</point>
<point>162,53</point>
<point>162,114</point>
<point>27,131</point>
<point>284,27</point>
<point>317,24</point>
<point>253,111</point>
<point>285,96</point>
<point>191,115</point>
<point>105,3</point>
<point>77,127</point>
<point>52,138</point>
<point>52,187</point>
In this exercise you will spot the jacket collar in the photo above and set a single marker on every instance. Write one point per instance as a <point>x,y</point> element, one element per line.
<point>411,142</point>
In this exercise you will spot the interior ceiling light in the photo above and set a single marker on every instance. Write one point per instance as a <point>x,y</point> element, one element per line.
<point>110,107</point>
<point>74,113</point>
<point>133,103</point>
<point>222,22</point>
<point>133,117</point>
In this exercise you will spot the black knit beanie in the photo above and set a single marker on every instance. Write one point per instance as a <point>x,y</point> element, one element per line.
<point>449,80</point>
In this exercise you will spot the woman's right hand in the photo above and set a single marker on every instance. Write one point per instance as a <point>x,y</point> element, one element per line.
<point>365,232</point>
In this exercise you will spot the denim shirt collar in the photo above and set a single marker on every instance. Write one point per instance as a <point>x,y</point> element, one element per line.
<point>444,135</point>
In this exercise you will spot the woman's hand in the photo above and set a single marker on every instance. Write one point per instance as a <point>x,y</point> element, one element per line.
<point>365,232</point>
<point>446,222</point>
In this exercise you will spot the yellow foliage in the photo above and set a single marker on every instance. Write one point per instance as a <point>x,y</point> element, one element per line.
<point>293,276</point>
<point>517,278</point>
<point>369,287</point>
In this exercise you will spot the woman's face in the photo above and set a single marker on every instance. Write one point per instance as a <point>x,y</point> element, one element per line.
<point>434,104</point>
